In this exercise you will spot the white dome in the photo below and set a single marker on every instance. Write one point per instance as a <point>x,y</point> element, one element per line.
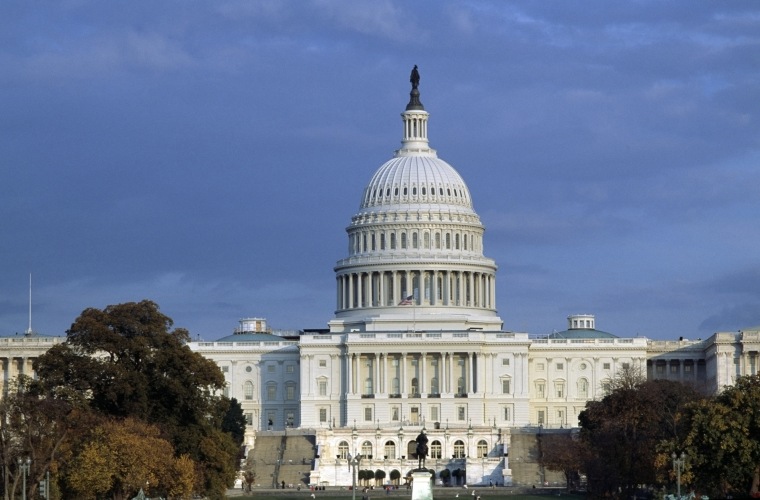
<point>406,180</point>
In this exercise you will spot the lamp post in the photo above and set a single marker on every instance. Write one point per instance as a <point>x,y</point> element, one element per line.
<point>353,462</point>
<point>23,467</point>
<point>678,467</point>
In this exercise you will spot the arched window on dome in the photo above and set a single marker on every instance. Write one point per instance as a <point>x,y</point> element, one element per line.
<point>387,192</point>
<point>448,241</point>
<point>373,241</point>
<point>448,190</point>
<point>415,242</point>
<point>405,190</point>
<point>382,241</point>
<point>438,241</point>
<point>393,241</point>
<point>456,241</point>
<point>424,191</point>
<point>414,190</point>
<point>426,240</point>
<point>403,241</point>
<point>464,241</point>
<point>395,191</point>
<point>440,191</point>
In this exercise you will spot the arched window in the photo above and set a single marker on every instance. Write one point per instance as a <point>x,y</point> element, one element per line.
<point>437,240</point>
<point>482,448</point>
<point>393,241</point>
<point>248,390</point>
<point>390,450</point>
<point>343,450</point>
<point>448,241</point>
<point>583,388</point>
<point>414,240</point>
<point>456,241</point>
<point>403,240</point>
<point>435,449</point>
<point>382,241</point>
<point>426,239</point>
<point>434,385</point>
<point>415,386</point>
<point>368,386</point>
<point>373,242</point>
<point>458,449</point>
<point>367,449</point>
<point>396,386</point>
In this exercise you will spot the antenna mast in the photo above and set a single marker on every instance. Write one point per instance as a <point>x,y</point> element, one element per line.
<point>29,330</point>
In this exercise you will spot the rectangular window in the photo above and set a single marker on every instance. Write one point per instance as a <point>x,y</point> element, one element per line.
<point>540,367</point>
<point>606,366</point>
<point>540,390</point>
<point>394,413</point>
<point>541,417</point>
<point>434,413</point>
<point>461,413</point>
<point>225,369</point>
<point>249,418</point>
<point>660,368</point>
<point>560,390</point>
<point>290,368</point>
<point>270,368</point>
<point>507,413</point>
<point>271,392</point>
<point>560,366</point>
<point>505,362</point>
<point>687,368</point>
<point>323,363</point>
<point>323,415</point>
<point>673,368</point>
<point>368,414</point>
<point>626,366</point>
<point>505,386</point>
<point>290,392</point>
<point>561,417</point>
<point>322,387</point>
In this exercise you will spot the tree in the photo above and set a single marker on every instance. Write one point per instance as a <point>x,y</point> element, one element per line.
<point>722,447</point>
<point>39,427</point>
<point>621,433</point>
<point>234,422</point>
<point>129,362</point>
<point>120,457</point>
<point>380,475</point>
<point>562,452</point>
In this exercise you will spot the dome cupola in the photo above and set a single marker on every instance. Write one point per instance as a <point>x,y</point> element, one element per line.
<point>415,257</point>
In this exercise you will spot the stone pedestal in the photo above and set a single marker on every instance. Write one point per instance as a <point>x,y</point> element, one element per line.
<point>422,488</point>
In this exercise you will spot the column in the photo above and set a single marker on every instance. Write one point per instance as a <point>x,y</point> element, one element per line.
<point>350,291</point>
<point>383,299</point>
<point>402,382</point>
<point>423,373</point>
<point>470,385</point>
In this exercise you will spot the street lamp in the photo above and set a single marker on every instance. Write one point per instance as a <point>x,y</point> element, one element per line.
<point>353,462</point>
<point>23,467</point>
<point>678,467</point>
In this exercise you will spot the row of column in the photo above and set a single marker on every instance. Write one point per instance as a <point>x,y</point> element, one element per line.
<point>13,367</point>
<point>388,288</point>
<point>447,373</point>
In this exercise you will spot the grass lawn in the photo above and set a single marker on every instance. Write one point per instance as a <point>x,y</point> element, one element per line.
<point>438,493</point>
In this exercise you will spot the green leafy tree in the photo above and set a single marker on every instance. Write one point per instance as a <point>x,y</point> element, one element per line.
<point>234,422</point>
<point>722,447</point>
<point>129,362</point>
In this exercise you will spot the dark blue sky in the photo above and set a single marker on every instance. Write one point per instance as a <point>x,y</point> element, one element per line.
<point>209,155</point>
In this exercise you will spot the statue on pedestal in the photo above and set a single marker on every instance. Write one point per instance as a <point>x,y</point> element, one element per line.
<point>422,449</point>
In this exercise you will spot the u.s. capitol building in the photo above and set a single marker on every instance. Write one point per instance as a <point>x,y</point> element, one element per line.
<point>416,343</point>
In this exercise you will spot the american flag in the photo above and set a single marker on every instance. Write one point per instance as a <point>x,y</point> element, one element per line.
<point>407,301</point>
